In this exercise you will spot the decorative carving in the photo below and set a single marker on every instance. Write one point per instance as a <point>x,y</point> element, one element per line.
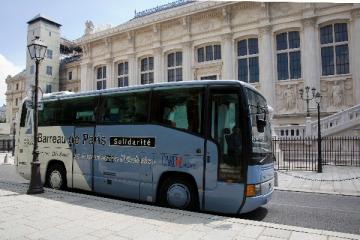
<point>207,15</point>
<point>226,13</point>
<point>337,95</point>
<point>355,13</point>
<point>144,38</point>
<point>86,49</point>
<point>155,28</point>
<point>227,37</point>
<point>107,42</point>
<point>89,27</point>
<point>186,23</point>
<point>264,30</point>
<point>309,21</point>
<point>212,69</point>
<point>289,99</point>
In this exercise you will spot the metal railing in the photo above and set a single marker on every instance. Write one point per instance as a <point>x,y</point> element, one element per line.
<point>301,153</point>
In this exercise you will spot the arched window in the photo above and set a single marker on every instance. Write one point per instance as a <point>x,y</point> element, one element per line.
<point>101,78</point>
<point>147,70</point>
<point>288,55</point>
<point>334,49</point>
<point>248,60</point>
<point>123,74</point>
<point>174,67</point>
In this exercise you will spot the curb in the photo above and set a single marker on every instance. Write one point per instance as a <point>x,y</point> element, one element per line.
<point>317,191</point>
<point>190,214</point>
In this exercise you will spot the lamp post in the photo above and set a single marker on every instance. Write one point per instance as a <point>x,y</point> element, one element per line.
<point>13,140</point>
<point>318,100</point>
<point>37,50</point>
<point>307,98</point>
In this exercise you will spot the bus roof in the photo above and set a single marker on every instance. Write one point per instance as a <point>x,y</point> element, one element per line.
<point>67,95</point>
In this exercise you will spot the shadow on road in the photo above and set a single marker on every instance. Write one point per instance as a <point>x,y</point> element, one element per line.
<point>257,215</point>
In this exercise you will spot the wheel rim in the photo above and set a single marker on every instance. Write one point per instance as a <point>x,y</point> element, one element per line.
<point>55,179</point>
<point>178,196</point>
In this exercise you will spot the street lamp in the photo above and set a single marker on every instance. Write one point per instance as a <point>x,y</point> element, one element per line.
<point>307,98</point>
<point>318,100</point>
<point>37,50</point>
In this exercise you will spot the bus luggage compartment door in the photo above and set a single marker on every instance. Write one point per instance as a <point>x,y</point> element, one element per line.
<point>116,166</point>
<point>83,158</point>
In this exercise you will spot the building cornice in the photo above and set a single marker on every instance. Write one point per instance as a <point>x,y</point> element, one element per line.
<point>149,20</point>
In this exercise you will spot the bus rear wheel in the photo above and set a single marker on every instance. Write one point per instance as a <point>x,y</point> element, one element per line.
<point>178,193</point>
<point>56,177</point>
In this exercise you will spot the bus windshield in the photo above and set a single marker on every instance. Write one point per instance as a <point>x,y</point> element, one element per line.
<point>261,135</point>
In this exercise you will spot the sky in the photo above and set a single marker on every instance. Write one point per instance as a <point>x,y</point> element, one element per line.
<point>71,14</point>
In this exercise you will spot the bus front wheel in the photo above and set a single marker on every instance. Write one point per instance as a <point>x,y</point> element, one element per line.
<point>56,177</point>
<point>178,193</point>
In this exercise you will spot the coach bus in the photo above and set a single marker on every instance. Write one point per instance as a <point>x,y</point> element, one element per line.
<point>190,145</point>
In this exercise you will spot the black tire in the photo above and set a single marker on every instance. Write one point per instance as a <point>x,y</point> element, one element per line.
<point>182,182</point>
<point>56,177</point>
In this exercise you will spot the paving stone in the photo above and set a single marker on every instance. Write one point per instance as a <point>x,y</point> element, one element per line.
<point>306,236</point>
<point>279,233</point>
<point>269,238</point>
<point>252,231</point>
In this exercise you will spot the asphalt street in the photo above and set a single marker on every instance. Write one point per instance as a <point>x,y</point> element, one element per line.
<point>311,210</point>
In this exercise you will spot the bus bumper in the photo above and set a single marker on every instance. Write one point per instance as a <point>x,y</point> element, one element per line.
<point>253,203</point>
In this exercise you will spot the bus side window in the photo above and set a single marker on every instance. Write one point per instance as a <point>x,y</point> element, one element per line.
<point>77,111</point>
<point>126,108</point>
<point>177,108</point>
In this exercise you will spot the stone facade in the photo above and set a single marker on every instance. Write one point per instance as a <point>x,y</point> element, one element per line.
<point>189,27</point>
<point>69,75</point>
<point>15,93</point>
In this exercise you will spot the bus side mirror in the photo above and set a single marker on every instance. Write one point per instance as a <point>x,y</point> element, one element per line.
<point>261,122</point>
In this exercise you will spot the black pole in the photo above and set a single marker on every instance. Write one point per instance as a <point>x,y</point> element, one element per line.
<point>307,106</point>
<point>35,186</point>
<point>13,140</point>
<point>319,141</point>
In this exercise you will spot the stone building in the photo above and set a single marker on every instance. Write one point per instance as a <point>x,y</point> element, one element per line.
<point>277,47</point>
<point>15,92</point>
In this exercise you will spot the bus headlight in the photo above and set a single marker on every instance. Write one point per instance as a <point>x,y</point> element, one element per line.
<point>253,190</point>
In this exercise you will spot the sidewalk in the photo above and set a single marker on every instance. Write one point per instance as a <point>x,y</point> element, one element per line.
<point>66,215</point>
<point>333,180</point>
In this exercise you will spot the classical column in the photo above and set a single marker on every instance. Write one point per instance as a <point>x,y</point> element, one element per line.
<point>187,53</point>
<point>158,68</point>
<point>86,79</point>
<point>355,53</point>
<point>266,65</point>
<point>309,52</point>
<point>133,70</point>
<point>110,73</point>
<point>228,57</point>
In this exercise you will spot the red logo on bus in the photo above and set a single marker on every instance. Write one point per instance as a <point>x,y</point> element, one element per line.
<point>178,161</point>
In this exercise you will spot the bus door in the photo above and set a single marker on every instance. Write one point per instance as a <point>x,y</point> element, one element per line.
<point>224,172</point>
<point>80,113</point>
<point>83,157</point>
